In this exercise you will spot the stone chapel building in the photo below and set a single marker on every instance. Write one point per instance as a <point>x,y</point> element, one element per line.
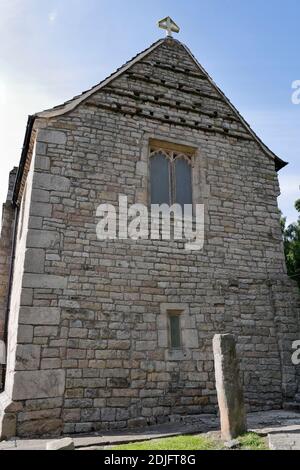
<point>100,335</point>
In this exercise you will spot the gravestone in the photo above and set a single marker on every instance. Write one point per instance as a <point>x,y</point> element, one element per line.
<point>229,388</point>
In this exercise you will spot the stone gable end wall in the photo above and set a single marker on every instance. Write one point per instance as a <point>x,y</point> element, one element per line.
<point>92,326</point>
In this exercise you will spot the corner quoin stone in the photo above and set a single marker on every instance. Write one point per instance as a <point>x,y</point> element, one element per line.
<point>44,281</point>
<point>49,136</point>
<point>34,261</point>
<point>39,316</point>
<point>229,388</point>
<point>42,238</point>
<point>39,384</point>
<point>50,182</point>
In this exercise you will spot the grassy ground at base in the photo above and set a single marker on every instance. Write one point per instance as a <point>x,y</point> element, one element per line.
<point>249,441</point>
<point>253,441</point>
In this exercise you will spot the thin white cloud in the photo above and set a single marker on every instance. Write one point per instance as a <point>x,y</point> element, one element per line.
<point>52,16</point>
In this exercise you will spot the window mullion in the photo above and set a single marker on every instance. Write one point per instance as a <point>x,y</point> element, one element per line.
<point>172,185</point>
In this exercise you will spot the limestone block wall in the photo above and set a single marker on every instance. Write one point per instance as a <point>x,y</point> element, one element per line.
<point>91,350</point>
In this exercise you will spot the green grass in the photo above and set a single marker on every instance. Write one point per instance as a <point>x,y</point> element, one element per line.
<point>172,443</point>
<point>249,441</point>
<point>253,441</point>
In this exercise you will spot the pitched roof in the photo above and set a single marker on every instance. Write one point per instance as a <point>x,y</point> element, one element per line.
<point>77,100</point>
<point>73,103</point>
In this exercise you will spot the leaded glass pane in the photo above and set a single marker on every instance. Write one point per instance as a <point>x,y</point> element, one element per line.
<point>183,181</point>
<point>160,179</point>
<point>175,331</point>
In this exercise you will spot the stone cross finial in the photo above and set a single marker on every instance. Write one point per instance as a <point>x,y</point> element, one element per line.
<point>169,25</point>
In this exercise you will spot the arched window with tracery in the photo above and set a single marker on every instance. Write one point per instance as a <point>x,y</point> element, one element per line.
<point>170,177</point>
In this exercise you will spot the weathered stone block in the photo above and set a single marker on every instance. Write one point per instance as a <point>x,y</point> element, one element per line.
<point>40,209</point>
<point>42,238</point>
<point>190,338</point>
<point>28,357</point>
<point>49,136</point>
<point>117,382</point>
<point>45,281</point>
<point>51,363</point>
<point>137,423</point>
<point>42,162</point>
<point>41,428</point>
<point>122,415</point>
<point>41,149</point>
<point>46,331</point>
<point>108,414</point>
<point>44,404</point>
<point>40,195</point>
<point>90,414</point>
<point>39,414</point>
<point>34,261</point>
<point>39,315</point>
<point>72,415</point>
<point>51,182</point>
<point>38,384</point>
<point>35,222</point>
<point>27,297</point>
<point>142,168</point>
<point>8,426</point>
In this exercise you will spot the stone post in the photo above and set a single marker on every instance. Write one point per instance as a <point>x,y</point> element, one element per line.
<point>229,388</point>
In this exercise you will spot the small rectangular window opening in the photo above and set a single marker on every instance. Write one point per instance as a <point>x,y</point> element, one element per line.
<point>174,318</point>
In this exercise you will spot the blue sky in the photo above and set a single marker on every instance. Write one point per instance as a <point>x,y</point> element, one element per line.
<point>50,50</point>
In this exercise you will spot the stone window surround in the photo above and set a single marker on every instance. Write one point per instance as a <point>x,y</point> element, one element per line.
<point>171,154</point>
<point>168,148</point>
<point>189,334</point>
<point>171,314</point>
<point>200,188</point>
